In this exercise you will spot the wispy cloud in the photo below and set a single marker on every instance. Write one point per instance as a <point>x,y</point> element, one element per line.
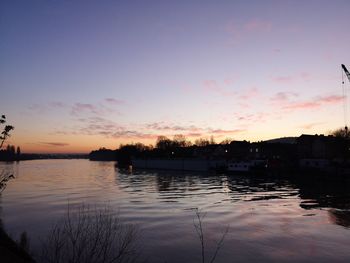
<point>252,27</point>
<point>252,118</point>
<point>289,79</point>
<point>331,99</point>
<point>188,130</point>
<point>55,144</point>
<point>258,25</point>
<point>229,81</point>
<point>314,103</point>
<point>288,101</point>
<point>194,134</point>
<point>45,107</point>
<point>114,101</point>
<point>79,108</point>
<point>37,107</point>
<point>132,134</point>
<point>302,105</point>
<point>101,108</point>
<point>310,125</point>
<point>214,87</point>
<point>283,79</point>
<point>249,94</point>
<point>57,104</point>
<point>162,126</point>
<point>225,132</point>
<point>283,96</point>
<point>98,125</point>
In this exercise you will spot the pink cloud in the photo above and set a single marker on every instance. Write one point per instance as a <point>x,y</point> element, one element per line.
<point>37,107</point>
<point>249,94</point>
<point>258,25</point>
<point>194,134</point>
<point>283,79</point>
<point>252,118</point>
<point>229,81</point>
<point>187,89</point>
<point>310,125</point>
<point>131,134</point>
<point>44,107</point>
<point>294,29</point>
<point>55,144</point>
<point>57,104</point>
<point>302,105</point>
<point>162,126</point>
<point>238,31</point>
<point>213,86</point>
<point>79,108</point>
<point>98,125</point>
<point>331,99</point>
<point>232,28</point>
<point>305,76</point>
<point>286,79</point>
<point>189,131</point>
<point>114,101</point>
<point>220,131</point>
<point>315,103</point>
<point>283,96</point>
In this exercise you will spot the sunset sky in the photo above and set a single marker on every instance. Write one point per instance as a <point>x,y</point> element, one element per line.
<point>79,75</point>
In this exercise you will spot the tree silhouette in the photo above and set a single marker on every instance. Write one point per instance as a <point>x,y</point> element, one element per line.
<point>18,152</point>
<point>202,142</point>
<point>6,131</point>
<point>341,132</point>
<point>179,140</point>
<point>164,143</point>
<point>4,176</point>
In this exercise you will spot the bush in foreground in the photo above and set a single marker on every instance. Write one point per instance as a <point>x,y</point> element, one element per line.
<point>90,235</point>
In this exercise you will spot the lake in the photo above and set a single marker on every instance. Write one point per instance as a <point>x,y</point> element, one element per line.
<point>269,219</point>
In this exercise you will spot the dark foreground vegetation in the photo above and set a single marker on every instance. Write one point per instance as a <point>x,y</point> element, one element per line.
<point>91,235</point>
<point>96,235</point>
<point>10,251</point>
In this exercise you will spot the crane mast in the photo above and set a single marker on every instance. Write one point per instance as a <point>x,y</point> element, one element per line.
<point>348,75</point>
<point>346,71</point>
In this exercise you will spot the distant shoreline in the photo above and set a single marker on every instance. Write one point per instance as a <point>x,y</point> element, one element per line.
<point>41,156</point>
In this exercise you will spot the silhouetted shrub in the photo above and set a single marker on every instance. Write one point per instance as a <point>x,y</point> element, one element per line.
<point>90,235</point>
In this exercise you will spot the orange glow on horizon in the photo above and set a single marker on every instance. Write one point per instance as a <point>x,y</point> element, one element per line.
<point>84,144</point>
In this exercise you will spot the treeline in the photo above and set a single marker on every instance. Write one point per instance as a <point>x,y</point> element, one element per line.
<point>11,153</point>
<point>178,147</point>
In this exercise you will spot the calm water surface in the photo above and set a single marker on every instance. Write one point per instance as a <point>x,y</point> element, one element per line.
<point>269,220</point>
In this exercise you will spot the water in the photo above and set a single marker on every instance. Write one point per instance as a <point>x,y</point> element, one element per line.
<point>270,220</point>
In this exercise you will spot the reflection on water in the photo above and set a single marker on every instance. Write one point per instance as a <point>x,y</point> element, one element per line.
<point>340,217</point>
<point>304,220</point>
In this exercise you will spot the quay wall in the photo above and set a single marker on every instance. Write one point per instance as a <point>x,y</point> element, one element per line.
<point>177,164</point>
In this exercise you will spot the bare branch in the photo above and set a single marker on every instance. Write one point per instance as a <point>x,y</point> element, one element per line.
<point>198,225</point>
<point>90,235</point>
<point>220,244</point>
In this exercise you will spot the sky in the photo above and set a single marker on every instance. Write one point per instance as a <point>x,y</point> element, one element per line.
<point>79,75</point>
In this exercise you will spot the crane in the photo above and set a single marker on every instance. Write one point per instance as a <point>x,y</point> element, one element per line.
<point>345,108</point>
<point>346,71</point>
